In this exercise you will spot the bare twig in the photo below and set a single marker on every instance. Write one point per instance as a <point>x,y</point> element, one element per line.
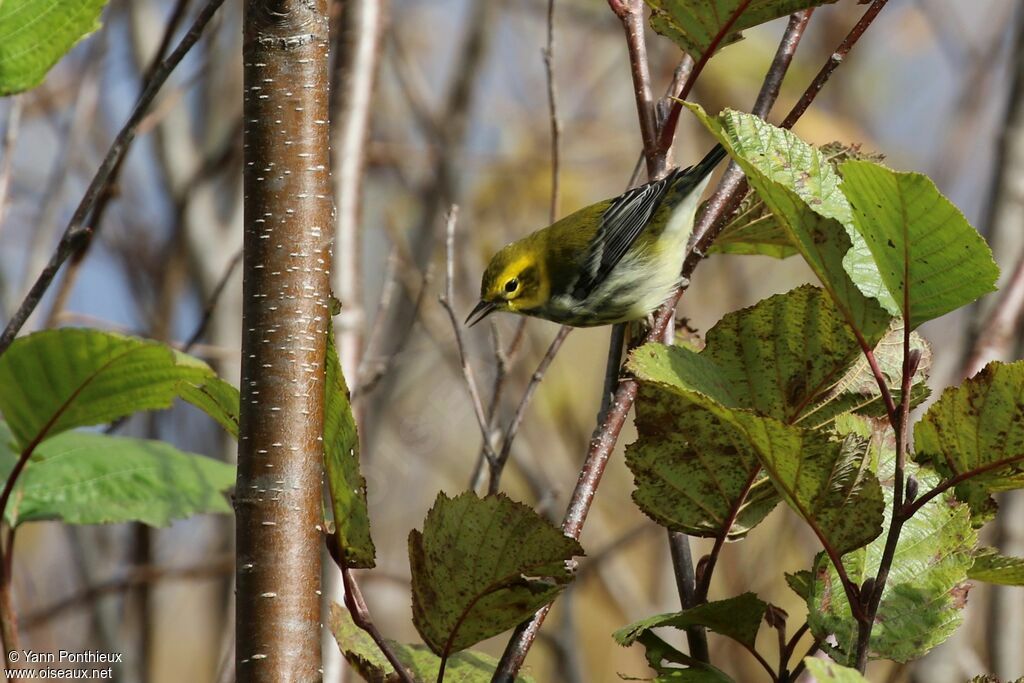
<point>517,419</point>
<point>606,436</point>
<point>211,303</point>
<point>668,130</point>
<point>467,370</point>
<point>834,60</point>
<point>360,612</point>
<point>77,232</point>
<point>556,125</point>
<point>137,575</point>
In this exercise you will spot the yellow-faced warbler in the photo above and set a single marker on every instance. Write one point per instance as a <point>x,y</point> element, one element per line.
<point>610,262</point>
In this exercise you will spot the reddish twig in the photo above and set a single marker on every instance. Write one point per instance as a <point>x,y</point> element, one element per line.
<point>668,130</point>
<point>360,612</point>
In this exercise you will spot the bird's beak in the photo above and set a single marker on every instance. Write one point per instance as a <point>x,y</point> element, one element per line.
<point>482,310</point>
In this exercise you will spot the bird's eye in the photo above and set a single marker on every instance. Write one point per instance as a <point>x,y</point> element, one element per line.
<point>512,285</point>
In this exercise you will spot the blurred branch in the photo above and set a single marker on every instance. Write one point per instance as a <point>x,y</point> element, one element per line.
<point>467,370</point>
<point>211,303</point>
<point>357,58</point>
<point>439,188</point>
<point>136,576</point>
<point>77,233</point>
<point>498,466</point>
<point>603,443</point>
<point>13,117</point>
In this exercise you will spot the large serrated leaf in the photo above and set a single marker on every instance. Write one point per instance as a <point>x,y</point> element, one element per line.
<point>802,190</point>
<point>738,618</point>
<point>341,462</point>
<point>978,427</point>
<point>693,472</point>
<point>754,230</point>
<point>760,369</point>
<point>922,600</point>
<point>482,565</point>
<point>694,25</point>
<point>85,478</point>
<point>422,664</point>
<point>35,34</point>
<point>929,256</point>
<point>991,567</point>
<point>56,380</point>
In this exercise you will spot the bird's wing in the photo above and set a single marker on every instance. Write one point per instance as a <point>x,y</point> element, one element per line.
<point>627,216</point>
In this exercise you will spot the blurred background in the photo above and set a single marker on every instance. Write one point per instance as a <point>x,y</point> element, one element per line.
<point>459,114</point>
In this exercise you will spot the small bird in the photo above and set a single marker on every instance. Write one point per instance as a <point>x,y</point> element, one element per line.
<point>611,262</point>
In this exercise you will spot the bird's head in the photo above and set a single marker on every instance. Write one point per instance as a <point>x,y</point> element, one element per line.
<point>514,281</point>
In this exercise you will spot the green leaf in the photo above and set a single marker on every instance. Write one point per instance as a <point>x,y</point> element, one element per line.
<point>35,34</point>
<point>341,461</point>
<point>931,259</point>
<point>694,25</point>
<point>977,427</point>
<point>694,472</point>
<point>754,230</point>
<point>216,398</point>
<point>761,369</point>
<point>366,658</point>
<point>829,672</point>
<point>829,483</point>
<point>926,589</point>
<point>800,582</point>
<point>86,478</point>
<point>991,567</point>
<point>658,652</point>
<point>481,566</point>
<point>802,190</point>
<point>738,618</point>
<point>56,380</point>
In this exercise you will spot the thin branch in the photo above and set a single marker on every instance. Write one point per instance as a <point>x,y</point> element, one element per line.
<point>910,509</point>
<point>686,585</point>
<point>360,612</point>
<point>556,125</point>
<point>77,232</point>
<point>668,131</point>
<point>137,575</point>
<point>607,435</point>
<point>517,419</point>
<point>446,299</point>
<point>211,303</point>
<point>631,14</point>
<point>834,60</point>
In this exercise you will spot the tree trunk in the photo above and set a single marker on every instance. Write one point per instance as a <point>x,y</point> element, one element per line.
<point>285,314</point>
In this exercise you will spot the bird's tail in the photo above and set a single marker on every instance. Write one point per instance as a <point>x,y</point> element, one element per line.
<point>706,165</point>
<point>684,181</point>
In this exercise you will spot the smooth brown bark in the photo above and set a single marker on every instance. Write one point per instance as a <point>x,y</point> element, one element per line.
<point>285,314</point>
